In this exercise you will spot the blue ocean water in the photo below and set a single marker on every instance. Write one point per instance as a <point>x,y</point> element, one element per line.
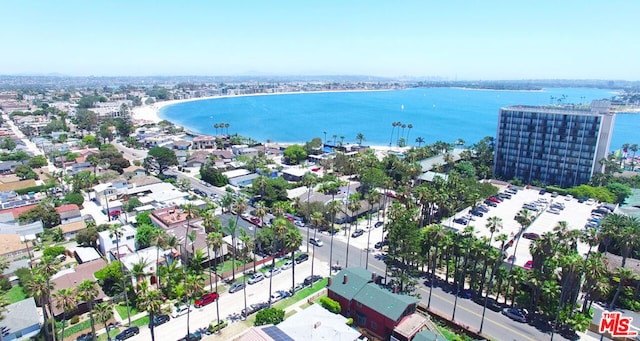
<point>437,114</point>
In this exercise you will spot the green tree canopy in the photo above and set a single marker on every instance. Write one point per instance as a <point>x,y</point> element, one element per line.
<point>294,154</point>
<point>269,316</point>
<point>162,158</point>
<point>44,212</point>
<point>25,172</point>
<point>74,198</point>
<point>144,235</point>
<point>38,161</point>
<point>212,175</point>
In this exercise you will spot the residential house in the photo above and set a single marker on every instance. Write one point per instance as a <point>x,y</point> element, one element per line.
<point>21,320</point>
<point>150,259</point>
<point>179,145</point>
<point>109,242</point>
<point>197,159</point>
<point>372,307</point>
<point>85,254</point>
<point>69,213</point>
<point>317,323</point>
<point>204,142</point>
<point>294,174</point>
<point>7,167</point>
<point>174,216</point>
<point>71,278</point>
<point>69,230</point>
<point>14,186</point>
<point>133,172</point>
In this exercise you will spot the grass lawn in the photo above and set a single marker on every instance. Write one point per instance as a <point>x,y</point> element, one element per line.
<point>226,266</point>
<point>16,294</point>
<point>122,311</point>
<point>143,321</point>
<point>112,333</point>
<point>302,294</point>
<point>76,328</point>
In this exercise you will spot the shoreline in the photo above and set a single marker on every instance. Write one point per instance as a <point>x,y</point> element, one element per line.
<point>150,113</point>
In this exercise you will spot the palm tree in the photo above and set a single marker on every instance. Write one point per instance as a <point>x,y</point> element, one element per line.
<point>231,230</point>
<point>419,141</point>
<point>260,212</point>
<point>214,240</point>
<point>40,288</point>
<point>104,313</point>
<point>226,202</point>
<point>437,234</point>
<point>159,240</point>
<point>393,127</point>
<point>151,301</point>
<point>467,236</point>
<point>334,139</point>
<point>67,301</point>
<point>292,242</point>
<point>226,125</point>
<point>360,138</point>
<point>87,292</point>
<point>333,208</point>
<point>279,227</point>
<point>216,126</point>
<point>309,180</point>
<point>317,219</point>
<point>114,231</point>
<point>246,241</point>
<point>623,275</point>
<point>493,224</point>
<point>630,237</point>
<point>372,197</point>
<point>193,287</point>
<point>191,211</point>
<point>353,205</point>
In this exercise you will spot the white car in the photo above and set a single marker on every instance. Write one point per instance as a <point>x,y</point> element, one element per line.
<point>316,241</point>
<point>181,310</point>
<point>287,265</point>
<point>257,277</point>
<point>590,202</point>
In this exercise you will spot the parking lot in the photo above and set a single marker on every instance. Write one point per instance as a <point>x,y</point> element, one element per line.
<point>545,219</point>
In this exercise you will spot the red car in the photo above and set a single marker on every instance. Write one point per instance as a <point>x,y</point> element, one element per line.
<point>255,220</point>
<point>206,299</point>
<point>528,265</point>
<point>494,199</point>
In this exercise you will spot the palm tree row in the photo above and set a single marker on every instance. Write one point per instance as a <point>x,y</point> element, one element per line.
<point>221,126</point>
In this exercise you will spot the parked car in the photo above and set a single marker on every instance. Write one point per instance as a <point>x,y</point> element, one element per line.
<point>530,235</point>
<point>181,310</point>
<point>492,304</point>
<point>311,279</point>
<point>279,295</point>
<point>504,195</point>
<point>273,271</point>
<point>297,288</point>
<point>301,258</point>
<point>554,194</point>
<point>254,308</point>
<point>287,265</point>
<point>85,337</point>
<point>542,192</point>
<point>490,203</point>
<point>191,337</point>
<point>357,233</point>
<point>476,213</point>
<point>214,326</point>
<point>378,224</point>
<point>494,199</point>
<point>236,287</point>
<point>517,314</point>
<point>528,265</point>
<point>127,333</point>
<point>461,221</point>
<point>568,197</point>
<point>160,319</point>
<point>255,220</point>
<point>298,223</point>
<point>256,277</point>
<point>206,299</point>
<point>553,211</point>
<point>590,202</point>
<point>315,241</point>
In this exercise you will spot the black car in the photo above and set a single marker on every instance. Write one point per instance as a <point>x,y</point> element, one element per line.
<point>476,213</point>
<point>378,224</point>
<point>492,304</point>
<point>483,209</point>
<point>191,337</point>
<point>254,308</point>
<point>490,203</point>
<point>357,233</point>
<point>301,258</point>
<point>312,279</point>
<point>85,337</point>
<point>127,333</point>
<point>161,319</point>
<point>461,221</point>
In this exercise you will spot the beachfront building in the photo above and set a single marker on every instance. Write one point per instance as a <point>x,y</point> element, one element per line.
<point>556,145</point>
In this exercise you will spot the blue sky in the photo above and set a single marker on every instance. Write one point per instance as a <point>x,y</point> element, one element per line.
<point>449,39</point>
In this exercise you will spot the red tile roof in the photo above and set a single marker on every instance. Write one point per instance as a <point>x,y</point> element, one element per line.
<point>66,208</point>
<point>17,211</point>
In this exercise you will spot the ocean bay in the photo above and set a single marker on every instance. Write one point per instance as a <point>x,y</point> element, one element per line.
<point>436,114</point>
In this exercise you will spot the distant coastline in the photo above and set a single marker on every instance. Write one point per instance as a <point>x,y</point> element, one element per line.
<point>496,89</point>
